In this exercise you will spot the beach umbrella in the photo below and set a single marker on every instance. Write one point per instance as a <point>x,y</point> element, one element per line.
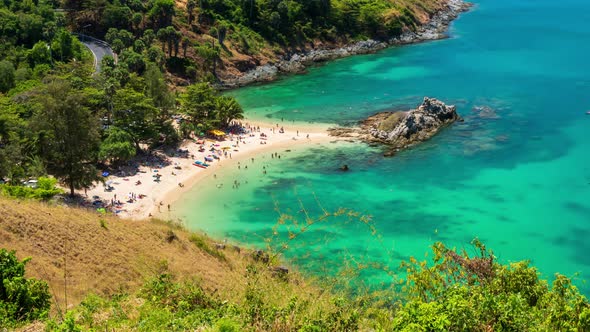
<point>105,174</point>
<point>226,148</point>
<point>108,183</point>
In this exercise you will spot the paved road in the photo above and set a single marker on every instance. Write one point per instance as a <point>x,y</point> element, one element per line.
<point>98,48</point>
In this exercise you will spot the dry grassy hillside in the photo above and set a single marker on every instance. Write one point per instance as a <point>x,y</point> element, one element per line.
<point>120,257</point>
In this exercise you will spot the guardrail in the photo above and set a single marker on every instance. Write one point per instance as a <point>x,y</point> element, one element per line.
<point>85,38</point>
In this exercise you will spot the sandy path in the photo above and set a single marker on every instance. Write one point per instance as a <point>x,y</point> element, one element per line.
<point>180,170</point>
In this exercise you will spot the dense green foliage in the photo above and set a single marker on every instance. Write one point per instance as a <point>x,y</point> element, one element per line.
<point>205,109</point>
<point>297,21</point>
<point>44,190</point>
<point>191,39</point>
<point>462,293</point>
<point>58,117</point>
<point>284,22</point>
<point>21,299</point>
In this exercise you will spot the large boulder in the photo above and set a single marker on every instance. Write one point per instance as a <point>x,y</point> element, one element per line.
<point>399,130</point>
<point>402,129</point>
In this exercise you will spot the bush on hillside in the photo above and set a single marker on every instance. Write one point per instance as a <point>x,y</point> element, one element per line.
<point>21,299</point>
<point>45,190</point>
<point>463,293</point>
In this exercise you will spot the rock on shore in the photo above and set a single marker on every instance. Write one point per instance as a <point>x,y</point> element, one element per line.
<point>399,130</point>
<point>296,63</point>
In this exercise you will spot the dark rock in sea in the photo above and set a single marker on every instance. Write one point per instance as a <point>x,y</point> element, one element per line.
<point>399,130</point>
<point>344,168</point>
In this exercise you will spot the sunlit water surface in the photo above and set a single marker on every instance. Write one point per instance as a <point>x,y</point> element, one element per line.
<point>517,177</point>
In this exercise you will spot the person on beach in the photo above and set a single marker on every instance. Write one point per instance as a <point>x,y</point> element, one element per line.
<point>168,207</point>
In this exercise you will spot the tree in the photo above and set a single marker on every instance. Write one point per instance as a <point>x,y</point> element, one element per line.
<point>117,146</point>
<point>157,89</point>
<point>138,46</point>
<point>136,20</point>
<point>148,36</point>
<point>170,36</point>
<point>136,115</point>
<point>116,15</point>
<point>228,109</point>
<point>39,54</point>
<point>221,33</point>
<point>68,135</point>
<point>185,44</point>
<point>198,103</point>
<point>177,37</point>
<point>21,299</point>
<point>163,38</point>
<point>62,46</point>
<point>190,8</point>
<point>133,61</point>
<point>162,13</point>
<point>156,56</point>
<point>210,53</point>
<point>7,73</point>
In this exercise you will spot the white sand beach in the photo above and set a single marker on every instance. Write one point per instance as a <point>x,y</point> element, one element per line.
<point>149,186</point>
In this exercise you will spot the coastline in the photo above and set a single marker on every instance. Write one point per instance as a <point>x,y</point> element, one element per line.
<point>436,28</point>
<point>153,197</point>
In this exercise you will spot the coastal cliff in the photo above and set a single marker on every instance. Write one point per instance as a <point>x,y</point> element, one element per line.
<point>434,28</point>
<point>400,130</point>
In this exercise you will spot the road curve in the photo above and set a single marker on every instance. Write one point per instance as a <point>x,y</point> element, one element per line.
<point>99,49</point>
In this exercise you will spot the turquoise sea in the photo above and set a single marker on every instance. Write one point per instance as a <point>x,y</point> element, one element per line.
<point>516,175</point>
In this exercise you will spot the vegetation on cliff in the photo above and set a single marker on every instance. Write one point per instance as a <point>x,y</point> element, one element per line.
<point>209,38</point>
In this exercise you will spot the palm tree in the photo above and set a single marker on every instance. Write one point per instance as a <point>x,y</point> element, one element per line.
<point>228,109</point>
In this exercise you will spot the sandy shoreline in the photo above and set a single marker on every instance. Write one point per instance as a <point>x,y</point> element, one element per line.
<point>141,196</point>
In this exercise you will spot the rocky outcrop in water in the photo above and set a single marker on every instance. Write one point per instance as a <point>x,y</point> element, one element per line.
<point>399,130</point>
<point>296,63</point>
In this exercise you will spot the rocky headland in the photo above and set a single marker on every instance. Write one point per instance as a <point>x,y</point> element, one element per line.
<point>297,63</point>
<point>400,130</point>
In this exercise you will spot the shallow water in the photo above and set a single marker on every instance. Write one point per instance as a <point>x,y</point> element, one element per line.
<point>517,177</point>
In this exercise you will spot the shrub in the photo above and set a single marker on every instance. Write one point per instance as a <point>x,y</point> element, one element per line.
<point>45,190</point>
<point>21,299</point>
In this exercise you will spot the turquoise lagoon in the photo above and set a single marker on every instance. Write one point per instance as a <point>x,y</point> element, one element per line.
<point>517,177</point>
